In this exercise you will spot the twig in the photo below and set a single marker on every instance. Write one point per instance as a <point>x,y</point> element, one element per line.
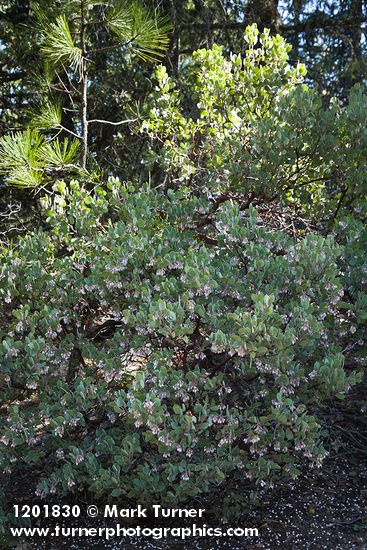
<point>112,123</point>
<point>348,522</point>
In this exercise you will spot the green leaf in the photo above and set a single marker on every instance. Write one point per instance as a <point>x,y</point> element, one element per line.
<point>48,117</point>
<point>19,158</point>
<point>60,154</point>
<point>177,409</point>
<point>140,29</point>
<point>58,45</point>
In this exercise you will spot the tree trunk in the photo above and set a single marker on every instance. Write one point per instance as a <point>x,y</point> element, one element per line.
<point>297,9</point>
<point>356,31</point>
<point>264,13</point>
<point>84,85</point>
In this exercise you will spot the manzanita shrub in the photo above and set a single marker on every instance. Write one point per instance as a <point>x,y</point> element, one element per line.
<point>352,234</point>
<point>157,344</point>
<point>247,125</point>
<point>144,358</point>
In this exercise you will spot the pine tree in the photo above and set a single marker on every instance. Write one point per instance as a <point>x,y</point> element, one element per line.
<point>57,138</point>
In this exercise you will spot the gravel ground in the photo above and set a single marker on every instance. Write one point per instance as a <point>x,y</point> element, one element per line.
<point>324,509</point>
